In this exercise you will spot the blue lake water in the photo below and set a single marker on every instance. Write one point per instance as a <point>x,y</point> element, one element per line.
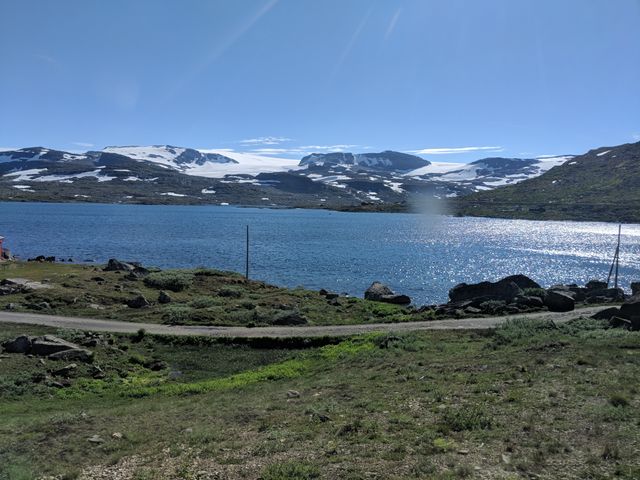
<point>422,256</point>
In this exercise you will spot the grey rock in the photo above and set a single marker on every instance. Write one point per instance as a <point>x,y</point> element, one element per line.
<point>138,302</point>
<point>617,322</point>
<point>20,344</point>
<point>50,344</point>
<point>505,289</point>
<point>631,308</point>
<point>557,301</point>
<point>529,301</point>
<point>378,292</point>
<point>164,298</point>
<point>115,265</point>
<point>635,288</point>
<point>78,354</point>
<point>606,314</point>
<point>65,371</point>
<point>596,285</point>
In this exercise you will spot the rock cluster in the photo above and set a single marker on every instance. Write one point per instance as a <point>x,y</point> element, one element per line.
<point>134,270</point>
<point>520,294</point>
<point>626,316</point>
<point>49,346</point>
<point>9,287</point>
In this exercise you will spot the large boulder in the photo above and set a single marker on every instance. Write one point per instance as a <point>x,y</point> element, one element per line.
<point>50,344</point>
<point>77,354</point>
<point>606,314</point>
<point>21,344</point>
<point>506,289</point>
<point>530,301</point>
<point>631,309</point>
<point>378,292</point>
<point>115,265</point>
<point>596,285</point>
<point>522,281</point>
<point>605,295</point>
<point>557,301</point>
<point>164,298</point>
<point>138,302</point>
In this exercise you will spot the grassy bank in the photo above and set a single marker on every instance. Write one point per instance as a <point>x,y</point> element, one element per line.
<point>197,297</point>
<point>530,400</point>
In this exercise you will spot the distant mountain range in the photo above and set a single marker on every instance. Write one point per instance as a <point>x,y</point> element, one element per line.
<point>388,180</point>
<point>602,184</point>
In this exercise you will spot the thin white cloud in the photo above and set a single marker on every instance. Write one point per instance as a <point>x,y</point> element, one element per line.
<point>47,59</point>
<point>265,141</point>
<point>636,136</point>
<point>84,144</point>
<point>455,150</point>
<point>329,148</point>
<point>392,24</point>
<point>303,150</point>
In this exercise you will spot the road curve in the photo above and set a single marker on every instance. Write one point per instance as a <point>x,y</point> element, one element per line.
<point>115,326</point>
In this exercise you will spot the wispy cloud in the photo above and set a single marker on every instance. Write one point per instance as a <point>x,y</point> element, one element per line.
<point>329,148</point>
<point>83,144</point>
<point>392,24</point>
<point>303,150</point>
<point>46,59</point>
<point>455,150</point>
<point>636,136</point>
<point>265,141</point>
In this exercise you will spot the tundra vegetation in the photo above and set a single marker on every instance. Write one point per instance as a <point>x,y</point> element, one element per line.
<point>529,400</point>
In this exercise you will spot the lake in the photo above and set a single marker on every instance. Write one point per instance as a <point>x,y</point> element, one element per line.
<point>422,256</point>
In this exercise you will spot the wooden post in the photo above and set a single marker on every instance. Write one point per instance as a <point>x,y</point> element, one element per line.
<point>617,256</point>
<point>616,261</point>
<point>246,274</point>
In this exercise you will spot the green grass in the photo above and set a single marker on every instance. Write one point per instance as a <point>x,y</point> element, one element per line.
<point>531,399</point>
<point>199,297</point>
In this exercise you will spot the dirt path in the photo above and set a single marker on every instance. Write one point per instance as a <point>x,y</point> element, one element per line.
<point>275,332</point>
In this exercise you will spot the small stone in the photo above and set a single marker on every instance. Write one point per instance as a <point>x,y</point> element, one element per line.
<point>164,298</point>
<point>506,458</point>
<point>463,452</point>
<point>95,439</point>
<point>116,435</point>
<point>293,394</point>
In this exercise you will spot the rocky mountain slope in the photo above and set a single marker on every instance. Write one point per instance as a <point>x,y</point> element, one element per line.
<point>603,184</point>
<point>387,161</point>
<point>373,181</point>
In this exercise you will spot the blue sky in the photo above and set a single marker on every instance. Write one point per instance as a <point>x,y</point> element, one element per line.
<point>497,77</point>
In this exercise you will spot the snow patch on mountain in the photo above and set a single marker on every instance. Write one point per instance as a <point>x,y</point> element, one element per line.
<point>246,163</point>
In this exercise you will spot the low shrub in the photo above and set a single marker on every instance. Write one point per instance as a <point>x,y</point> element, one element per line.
<point>466,418</point>
<point>177,314</point>
<point>534,292</point>
<point>291,470</point>
<point>174,281</point>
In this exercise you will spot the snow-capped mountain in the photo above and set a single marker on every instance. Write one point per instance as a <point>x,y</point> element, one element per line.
<point>490,173</point>
<point>387,160</point>
<point>178,158</point>
<point>164,173</point>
